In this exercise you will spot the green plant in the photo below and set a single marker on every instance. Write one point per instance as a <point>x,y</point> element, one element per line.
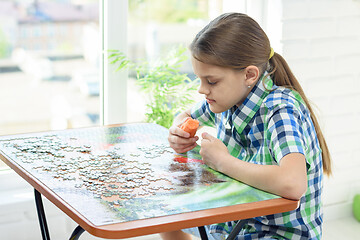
<point>169,90</point>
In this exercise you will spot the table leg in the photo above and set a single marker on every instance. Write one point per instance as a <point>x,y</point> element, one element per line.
<point>41,215</point>
<point>76,233</point>
<point>239,225</point>
<point>203,234</point>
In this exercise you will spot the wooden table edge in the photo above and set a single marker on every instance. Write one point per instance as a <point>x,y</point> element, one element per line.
<point>192,219</point>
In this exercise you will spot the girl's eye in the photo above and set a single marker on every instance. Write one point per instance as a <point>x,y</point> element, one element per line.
<point>211,83</point>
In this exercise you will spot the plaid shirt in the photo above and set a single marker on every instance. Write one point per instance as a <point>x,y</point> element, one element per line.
<point>266,127</point>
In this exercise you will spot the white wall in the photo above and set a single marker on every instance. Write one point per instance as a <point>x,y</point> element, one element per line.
<point>321,43</point>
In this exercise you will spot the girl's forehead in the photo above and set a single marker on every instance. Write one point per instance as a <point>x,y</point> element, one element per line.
<point>206,70</point>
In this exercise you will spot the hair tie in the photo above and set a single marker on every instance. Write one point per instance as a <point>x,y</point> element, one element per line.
<point>271,53</point>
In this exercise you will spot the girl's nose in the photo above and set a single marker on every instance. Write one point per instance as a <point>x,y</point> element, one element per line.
<point>202,89</point>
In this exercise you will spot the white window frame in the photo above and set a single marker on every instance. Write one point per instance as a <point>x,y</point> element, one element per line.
<point>113,93</point>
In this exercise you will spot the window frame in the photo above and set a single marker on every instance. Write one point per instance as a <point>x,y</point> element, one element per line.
<point>113,90</point>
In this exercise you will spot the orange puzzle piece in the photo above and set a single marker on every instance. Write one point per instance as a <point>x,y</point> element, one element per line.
<point>190,126</point>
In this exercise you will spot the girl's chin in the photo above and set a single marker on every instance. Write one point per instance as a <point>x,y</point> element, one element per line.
<point>216,109</point>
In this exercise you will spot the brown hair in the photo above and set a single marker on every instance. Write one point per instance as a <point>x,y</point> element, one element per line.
<point>235,40</point>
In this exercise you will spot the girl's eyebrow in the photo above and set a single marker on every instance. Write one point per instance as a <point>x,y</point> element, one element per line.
<point>208,76</point>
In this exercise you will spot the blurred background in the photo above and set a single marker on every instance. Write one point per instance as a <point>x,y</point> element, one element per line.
<point>51,77</point>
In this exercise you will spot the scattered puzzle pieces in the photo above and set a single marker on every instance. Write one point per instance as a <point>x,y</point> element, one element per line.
<point>114,167</point>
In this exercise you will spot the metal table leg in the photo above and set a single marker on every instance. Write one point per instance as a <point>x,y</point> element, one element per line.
<point>41,215</point>
<point>76,233</point>
<point>203,234</point>
<point>43,224</point>
<point>239,225</point>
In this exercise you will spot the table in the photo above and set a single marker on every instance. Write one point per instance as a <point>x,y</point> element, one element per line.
<point>124,181</point>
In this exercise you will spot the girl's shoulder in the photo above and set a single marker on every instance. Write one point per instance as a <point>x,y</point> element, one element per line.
<point>282,97</point>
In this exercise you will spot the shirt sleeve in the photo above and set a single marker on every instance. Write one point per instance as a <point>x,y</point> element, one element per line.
<point>286,134</point>
<point>201,111</point>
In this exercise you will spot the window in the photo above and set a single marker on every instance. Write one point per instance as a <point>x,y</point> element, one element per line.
<point>49,65</point>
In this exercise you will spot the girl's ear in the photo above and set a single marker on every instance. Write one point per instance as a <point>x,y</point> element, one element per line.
<point>252,74</point>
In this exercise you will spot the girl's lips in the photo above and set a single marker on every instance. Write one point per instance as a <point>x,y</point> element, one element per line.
<point>210,101</point>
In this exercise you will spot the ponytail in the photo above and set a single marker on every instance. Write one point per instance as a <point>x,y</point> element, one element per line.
<point>282,76</point>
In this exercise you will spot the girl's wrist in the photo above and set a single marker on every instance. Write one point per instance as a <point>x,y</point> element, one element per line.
<point>180,118</point>
<point>226,163</point>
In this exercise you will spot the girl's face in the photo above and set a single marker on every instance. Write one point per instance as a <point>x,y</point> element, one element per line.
<point>223,87</point>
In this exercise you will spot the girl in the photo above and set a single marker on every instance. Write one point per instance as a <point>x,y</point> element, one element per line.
<point>267,134</point>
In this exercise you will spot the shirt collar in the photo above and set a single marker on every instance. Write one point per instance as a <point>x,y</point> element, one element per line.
<point>242,115</point>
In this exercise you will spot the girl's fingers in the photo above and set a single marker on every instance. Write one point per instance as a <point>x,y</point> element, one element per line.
<point>178,132</point>
<point>181,141</point>
<point>181,145</point>
<point>185,149</point>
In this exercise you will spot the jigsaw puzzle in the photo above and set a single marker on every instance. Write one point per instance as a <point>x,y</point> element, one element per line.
<point>117,174</point>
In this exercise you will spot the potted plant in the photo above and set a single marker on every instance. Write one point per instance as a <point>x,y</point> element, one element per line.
<point>169,90</point>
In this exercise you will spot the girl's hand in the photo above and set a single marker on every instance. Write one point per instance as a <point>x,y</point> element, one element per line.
<point>180,140</point>
<point>213,151</point>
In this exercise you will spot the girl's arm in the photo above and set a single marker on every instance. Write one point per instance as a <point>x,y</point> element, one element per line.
<point>288,179</point>
<point>178,139</point>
